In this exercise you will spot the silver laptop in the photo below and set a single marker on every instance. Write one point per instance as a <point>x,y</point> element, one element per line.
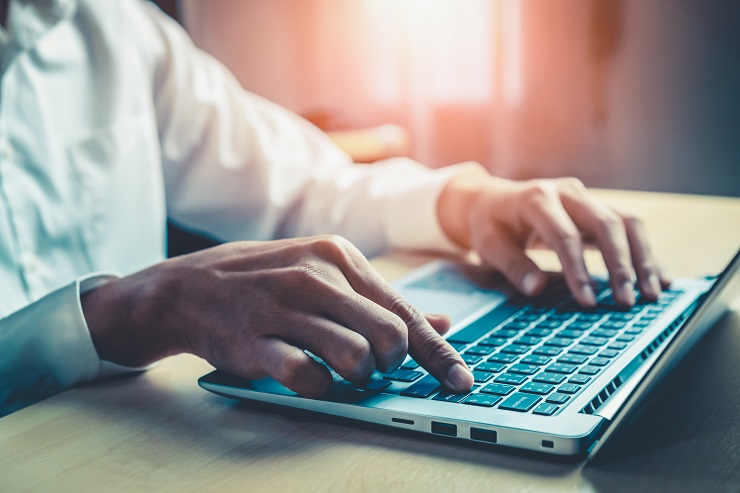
<point>551,376</point>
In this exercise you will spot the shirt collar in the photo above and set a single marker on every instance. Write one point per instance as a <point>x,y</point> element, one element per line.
<point>28,20</point>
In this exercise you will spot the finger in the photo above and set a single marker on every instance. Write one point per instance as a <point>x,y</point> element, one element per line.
<point>651,280</point>
<point>385,332</point>
<point>425,345</point>
<point>346,351</point>
<point>610,234</point>
<point>293,368</point>
<point>499,250</point>
<point>439,322</point>
<point>551,221</point>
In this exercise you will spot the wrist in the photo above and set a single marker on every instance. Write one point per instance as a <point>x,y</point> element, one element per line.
<point>124,324</point>
<point>456,202</point>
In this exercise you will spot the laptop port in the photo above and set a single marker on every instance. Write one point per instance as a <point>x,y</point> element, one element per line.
<point>548,444</point>
<point>402,421</point>
<point>444,429</point>
<point>483,435</point>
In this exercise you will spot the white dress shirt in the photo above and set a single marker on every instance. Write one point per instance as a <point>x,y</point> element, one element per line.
<point>111,121</point>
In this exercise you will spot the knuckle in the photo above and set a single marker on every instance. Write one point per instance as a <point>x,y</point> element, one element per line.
<point>610,223</point>
<point>392,340</point>
<point>355,356</point>
<point>571,183</point>
<point>620,276</point>
<point>435,351</point>
<point>406,312</point>
<point>332,246</point>
<point>631,221</point>
<point>539,191</point>
<point>290,371</point>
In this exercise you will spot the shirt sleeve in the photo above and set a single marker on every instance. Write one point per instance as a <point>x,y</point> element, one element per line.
<point>46,347</point>
<point>237,166</point>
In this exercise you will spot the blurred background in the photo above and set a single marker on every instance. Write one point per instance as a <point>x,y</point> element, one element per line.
<point>632,94</point>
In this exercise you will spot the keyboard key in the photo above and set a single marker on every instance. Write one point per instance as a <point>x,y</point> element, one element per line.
<point>403,375</point>
<point>471,359</point>
<point>536,359</point>
<point>559,342</point>
<point>641,324</point>
<point>482,400</point>
<point>547,351</point>
<point>560,316</point>
<point>539,332</point>
<point>410,365</point>
<point>423,388</point>
<point>520,402</point>
<point>608,353</point>
<point>633,331</point>
<point>511,379</point>
<point>517,325</point>
<point>537,388</point>
<point>570,334</point>
<point>579,325</point>
<point>613,324</point>
<point>490,367</point>
<point>573,359</point>
<point>480,327</point>
<point>569,388</point>
<point>515,349</point>
<point>527,317</point>
<point>528,341</point>
<point>561,368</point>
<point>376,385</point>
<point>608,333</point>
<point>589,370</point>
<point>546,377</point>
<point>498,389</point>
<point>589,317</point>
<point>557,398</point>
<point>448,397</point>
<point>457,346</point>
<point>524,369</point>
<point>493,341</point>
<point>579,379</point>
<point>599,361</point>
<point>481,376</point>
<point>545,409</point>
<point>503,358</point>
<point>480,350</point>
<point>625,338</point>
<point>587,350</point>
<point>549,324</point>
<point>505,333</point>
<point>617,346</point>
<point>594,341</point>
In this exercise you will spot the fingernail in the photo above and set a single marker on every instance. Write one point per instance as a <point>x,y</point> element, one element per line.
<point>587,294</point>
<point>654,284</point>
<point>459,378</point>
<point>629,293</point>
<point>529,283</point>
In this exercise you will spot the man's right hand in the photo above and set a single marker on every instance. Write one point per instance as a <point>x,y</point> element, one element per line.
<point>252,308</point>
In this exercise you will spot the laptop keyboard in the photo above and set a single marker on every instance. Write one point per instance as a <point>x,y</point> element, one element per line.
<point>535,355</point>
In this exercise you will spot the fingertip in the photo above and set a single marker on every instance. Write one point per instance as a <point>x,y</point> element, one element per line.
<point>459,378</point>
<point>532,283</point>
<point>586,296</point>
<point>440,322</point>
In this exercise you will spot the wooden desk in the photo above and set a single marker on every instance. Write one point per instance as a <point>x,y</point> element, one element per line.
<point>160,432</point>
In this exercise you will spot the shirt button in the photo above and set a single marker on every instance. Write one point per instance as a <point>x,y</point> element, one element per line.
<point>6,150</point>
<point>31,262</point>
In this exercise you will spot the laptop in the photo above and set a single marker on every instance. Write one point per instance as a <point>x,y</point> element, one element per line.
<point>550,375</point>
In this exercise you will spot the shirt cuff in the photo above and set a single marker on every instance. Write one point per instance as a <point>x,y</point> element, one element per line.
<point>411,219</point>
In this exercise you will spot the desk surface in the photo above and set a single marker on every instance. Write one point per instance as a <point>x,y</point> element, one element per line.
<point>160,432</point>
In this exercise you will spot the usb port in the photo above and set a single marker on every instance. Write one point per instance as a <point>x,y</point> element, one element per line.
<point>444,429</point>
<point>483,435</point>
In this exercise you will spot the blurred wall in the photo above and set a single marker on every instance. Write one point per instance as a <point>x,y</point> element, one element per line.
<point>640,94</point>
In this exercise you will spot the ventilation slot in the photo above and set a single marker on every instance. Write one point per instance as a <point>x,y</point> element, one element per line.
<point>663,336</point>
<point>602,396</point>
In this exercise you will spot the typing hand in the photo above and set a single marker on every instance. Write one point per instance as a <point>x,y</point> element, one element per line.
<point>252,308</point>
<point>498,218</point>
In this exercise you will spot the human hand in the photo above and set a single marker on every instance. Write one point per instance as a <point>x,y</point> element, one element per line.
<point>252,308</point>
<point>498,218</point>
